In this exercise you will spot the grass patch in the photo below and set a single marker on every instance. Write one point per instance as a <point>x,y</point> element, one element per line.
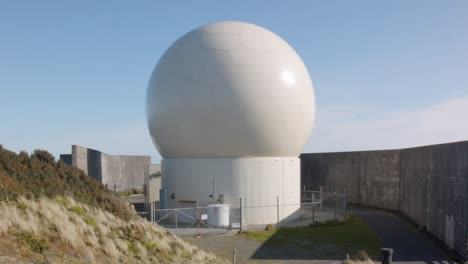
<point>90,221</point>
<point>348,236</point>
<point>77,210</point>
<point>30,240</point>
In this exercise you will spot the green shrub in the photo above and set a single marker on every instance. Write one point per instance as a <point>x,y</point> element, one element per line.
<point>43,155</point>
<point>22,205</point>
<point>90,221</point>
<point>63,201</point>
<point>77,210</point>
<point>39,175</point>
<point>36,244</point>
<point>132,247</point>
<point>269,227</point>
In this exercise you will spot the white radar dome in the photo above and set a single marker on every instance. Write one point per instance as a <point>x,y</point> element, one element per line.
<point>230,90</point>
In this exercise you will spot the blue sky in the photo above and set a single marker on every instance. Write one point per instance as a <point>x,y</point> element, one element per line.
<point>386,74</point>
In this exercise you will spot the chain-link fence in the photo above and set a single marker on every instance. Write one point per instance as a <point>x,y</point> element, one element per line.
<point>315,206</point>
<point>199,220</point>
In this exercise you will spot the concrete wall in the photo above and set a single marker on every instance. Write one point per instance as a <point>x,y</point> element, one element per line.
<point>67,158</point>
<point>153,183</point>
<point>88,160</point>
<point>117,172</point>
<point>428,184</point>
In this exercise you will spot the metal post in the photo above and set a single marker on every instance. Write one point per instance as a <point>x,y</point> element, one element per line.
<point>198,219</point>
<point>321,198</point>
<point>277,212</point>
<point>313,214</point>
<point>386,254</point>
<point>176,230</point>
<point>234,256</point>
<point>240,214</point>
<point>344,200</point>
<point>335,204</point>
<point>152,212</point>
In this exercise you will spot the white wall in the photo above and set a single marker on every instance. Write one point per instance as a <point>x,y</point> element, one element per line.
<point>259,181</point>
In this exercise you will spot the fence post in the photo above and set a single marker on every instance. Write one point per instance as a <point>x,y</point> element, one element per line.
<point>386,255</point>
<point>344,200</point>
<point>313,214</point>
<point>176,230</point>
<point>198,219</point>
<point>234,256</point>
<point>335,204</point>
<point>277,212</point>
<point>151,212</point>
<point>240,214</point>
<point>321,198</point>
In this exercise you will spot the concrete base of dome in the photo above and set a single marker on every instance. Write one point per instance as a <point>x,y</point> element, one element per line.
<point>260,182</point>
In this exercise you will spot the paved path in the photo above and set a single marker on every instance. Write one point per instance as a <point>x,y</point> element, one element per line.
<point>246,248</point>
<point>409,245</point>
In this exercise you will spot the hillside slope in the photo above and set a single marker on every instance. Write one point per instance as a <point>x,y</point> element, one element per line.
<point>38,175</point>
<point>53,213</point>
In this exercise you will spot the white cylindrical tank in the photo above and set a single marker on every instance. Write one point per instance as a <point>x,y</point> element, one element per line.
<point>218,215</point>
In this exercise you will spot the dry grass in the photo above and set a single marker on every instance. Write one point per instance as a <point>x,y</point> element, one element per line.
<point>74,232</point>
<point>361,257</point>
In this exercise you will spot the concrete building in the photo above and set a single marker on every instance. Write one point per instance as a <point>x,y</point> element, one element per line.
<point>118,172</point>
<point>230,106</point>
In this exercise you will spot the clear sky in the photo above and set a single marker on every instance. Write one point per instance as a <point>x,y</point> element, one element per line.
<point>386,74</point>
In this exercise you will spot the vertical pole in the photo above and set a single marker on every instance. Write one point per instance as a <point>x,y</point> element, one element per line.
<point>321,198</point>
<point>151,211</point>
<point>234,256</point>
<point>198,219</point>
<point>313,199</point>
<point>344,200</point>
<point>304,193</point>
<point>240,214</point>
<point>313,214</point>
<point>176,230</point>
<point>335,204</point>
<point>277,212</point>
<point>213,192</point>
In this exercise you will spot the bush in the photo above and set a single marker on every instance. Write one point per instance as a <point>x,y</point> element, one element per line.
<point>269,227</point>
<point>39,175</point>
<point>43,155</point>
<point>36,244</point>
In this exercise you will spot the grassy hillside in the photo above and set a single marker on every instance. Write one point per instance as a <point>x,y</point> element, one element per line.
<point>61,230</point>
<point>38,175</point>
<point>53,213</point>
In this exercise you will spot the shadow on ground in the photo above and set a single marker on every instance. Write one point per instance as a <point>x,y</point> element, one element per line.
<point>408,243</point>
<point>325,241</point>
<point>367,229</point>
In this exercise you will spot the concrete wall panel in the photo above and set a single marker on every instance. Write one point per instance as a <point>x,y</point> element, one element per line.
<point>117,172</point>
<point>428,184</point>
